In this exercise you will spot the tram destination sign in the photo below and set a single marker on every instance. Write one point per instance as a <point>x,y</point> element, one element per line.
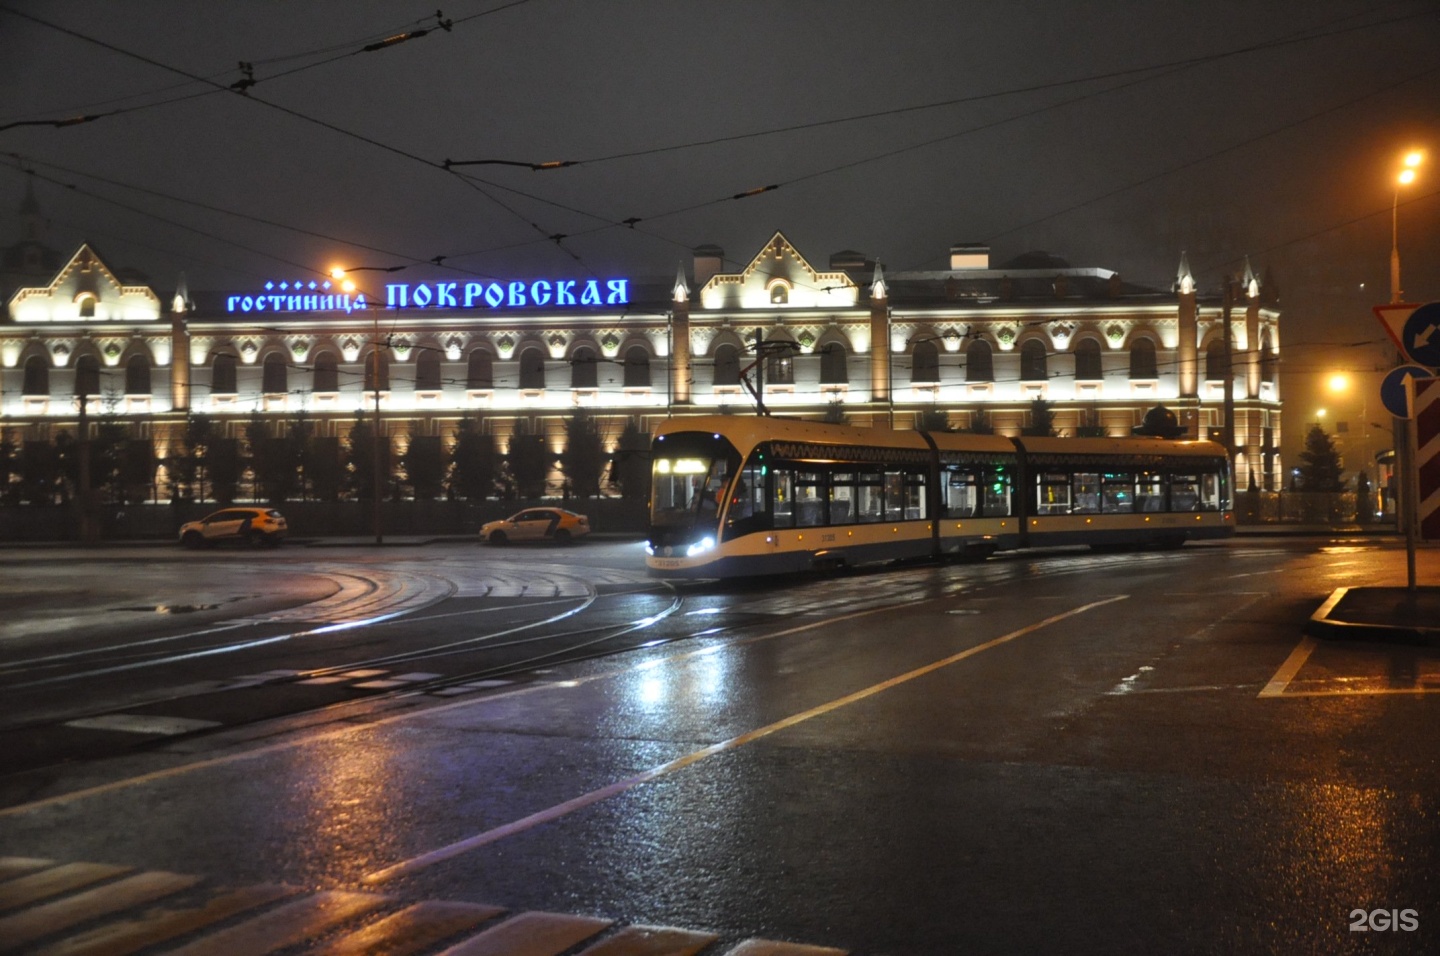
<point>324,296</point>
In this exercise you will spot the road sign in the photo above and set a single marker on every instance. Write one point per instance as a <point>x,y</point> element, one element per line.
<point>1420,336</point>
<point>1392,389</point>
<point>1393,318</point>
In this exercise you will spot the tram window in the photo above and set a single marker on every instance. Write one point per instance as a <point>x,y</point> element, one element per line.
<point>1212,492</point>
<point>842,498</point>
<point>996,488</point>
<point>748,510</point>
<point>894,495</point>
<point>1149,492</point>
<point>962,492</point>
<point>1052,493</point>
<point>914,501</point>
<point>809,504</point>
<point>869,497</point>
<point>1085,486</point>
<point>1118,494</point>
<point>1184,493</point>
<point>783,508</point>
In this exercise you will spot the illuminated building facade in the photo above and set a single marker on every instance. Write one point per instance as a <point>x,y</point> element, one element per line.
<point>974,342</point>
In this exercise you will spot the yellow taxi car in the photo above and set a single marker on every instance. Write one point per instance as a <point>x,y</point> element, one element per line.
<point>557,525</point>
<point>246,525</point>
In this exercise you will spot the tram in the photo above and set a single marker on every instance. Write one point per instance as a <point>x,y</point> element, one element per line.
<point>736,496</point>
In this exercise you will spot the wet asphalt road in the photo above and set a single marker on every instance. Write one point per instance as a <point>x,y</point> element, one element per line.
<point>1072,752</point>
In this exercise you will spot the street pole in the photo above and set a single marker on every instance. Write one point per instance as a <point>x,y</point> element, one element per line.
<point>375,485</point>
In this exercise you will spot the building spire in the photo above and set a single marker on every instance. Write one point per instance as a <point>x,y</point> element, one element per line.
<point>1184,279</point>
<point>181,303</point>
<point>681,290</point>
<point>1252,285</point>
<point>878,289</point>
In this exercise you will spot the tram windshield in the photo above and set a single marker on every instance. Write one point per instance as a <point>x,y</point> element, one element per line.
<point>689,475</point>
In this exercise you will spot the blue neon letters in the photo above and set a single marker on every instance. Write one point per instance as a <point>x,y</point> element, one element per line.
<point>320,297</point>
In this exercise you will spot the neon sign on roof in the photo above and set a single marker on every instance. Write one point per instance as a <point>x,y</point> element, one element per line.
<point>323,296</point>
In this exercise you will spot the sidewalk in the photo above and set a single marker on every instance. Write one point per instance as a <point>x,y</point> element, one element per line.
<point>1393,614</point>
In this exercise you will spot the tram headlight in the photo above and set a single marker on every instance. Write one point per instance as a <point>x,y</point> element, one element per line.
<point>700,547</point>
<point>650,548</point>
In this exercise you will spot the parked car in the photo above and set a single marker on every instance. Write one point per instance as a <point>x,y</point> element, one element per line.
<point>246,525</point>
<point>559,525</point>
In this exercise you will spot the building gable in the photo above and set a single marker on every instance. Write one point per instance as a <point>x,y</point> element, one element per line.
<point>779,277</point>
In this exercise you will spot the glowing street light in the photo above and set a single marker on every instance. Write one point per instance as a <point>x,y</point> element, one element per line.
<point>339,274</point>
<point>1407,175</point>
<point>1338,383</point>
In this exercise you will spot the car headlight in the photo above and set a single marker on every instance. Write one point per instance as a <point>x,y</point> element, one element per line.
<point>700,547</point>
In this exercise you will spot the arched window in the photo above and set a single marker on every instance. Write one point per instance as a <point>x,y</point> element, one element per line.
<point>584,373</point>
<point>370,361</point>
<point>427,371</point>
<point>780,363</point>
<point>137,376</point>
<point>1217,362</point>
<point>1032,362</point>
<point>924,364</point>
<point>480,373</point>
<point>979,362</point>
<point>1142,359</point>
<point>87,375</point>
<point>637,367</point>
<point>275,375</point>
<point>222,375</point>
<point>1087,361</point>
<point>779,294</point>
<point>327,373</point>
<point>87,305</point>
<point>532,368</point>
<point>833,367</point>
<point>1267,358</point>
<point>727,365</point>
<point>37,376</point>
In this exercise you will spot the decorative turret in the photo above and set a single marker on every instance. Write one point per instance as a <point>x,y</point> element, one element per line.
<point>180,347</point>
<point>1188,347</point>
<point>680,339</point>
<point>879,337</point>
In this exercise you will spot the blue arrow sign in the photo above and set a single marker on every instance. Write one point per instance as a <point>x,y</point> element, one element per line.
<point>1421,335</point>
<point>1392,390</point>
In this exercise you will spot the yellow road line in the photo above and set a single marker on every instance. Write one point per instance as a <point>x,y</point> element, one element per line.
<point>1289,669</point>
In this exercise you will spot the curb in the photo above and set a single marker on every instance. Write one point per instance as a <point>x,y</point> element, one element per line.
<point>1322,625</point>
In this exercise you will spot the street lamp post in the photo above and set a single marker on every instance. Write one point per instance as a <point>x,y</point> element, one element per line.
<point>1406,177</point>
<point>349,286</point>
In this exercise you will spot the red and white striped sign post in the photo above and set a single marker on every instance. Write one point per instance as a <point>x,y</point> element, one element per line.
<point>1426,409</point>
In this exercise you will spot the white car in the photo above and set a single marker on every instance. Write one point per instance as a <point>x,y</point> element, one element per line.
<point>559,525</point>
<point>246,525</point>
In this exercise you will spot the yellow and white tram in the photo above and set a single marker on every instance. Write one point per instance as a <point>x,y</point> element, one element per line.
<point>735,496</point>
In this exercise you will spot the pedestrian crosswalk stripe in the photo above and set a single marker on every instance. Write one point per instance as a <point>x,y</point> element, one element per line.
<point>413,930</point>
<point>20,929</point>
<point>289,925</point>
<point>13,866</point>
<point>651,941</point>
<point>143,724</point>
<point>161,925</point>
<point>530,934</point>
<point>113,911</point>
<point>64,878</point>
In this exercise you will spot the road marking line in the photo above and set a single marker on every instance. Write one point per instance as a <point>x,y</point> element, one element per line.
<point>604,793</point>
<point>766,947</point>
<point>65,878</point>
<point>142,724</point>
<point>291,924</point>
<point>1289,669</point>
<point>414,929</point>
<point>20,929</point>
<point>641,940</point>
<point>531,934</point>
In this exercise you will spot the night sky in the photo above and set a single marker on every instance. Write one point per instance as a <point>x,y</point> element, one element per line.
<point>1112,134</point>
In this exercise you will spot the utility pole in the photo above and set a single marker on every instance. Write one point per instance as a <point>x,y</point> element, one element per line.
<point>1228,426</point>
